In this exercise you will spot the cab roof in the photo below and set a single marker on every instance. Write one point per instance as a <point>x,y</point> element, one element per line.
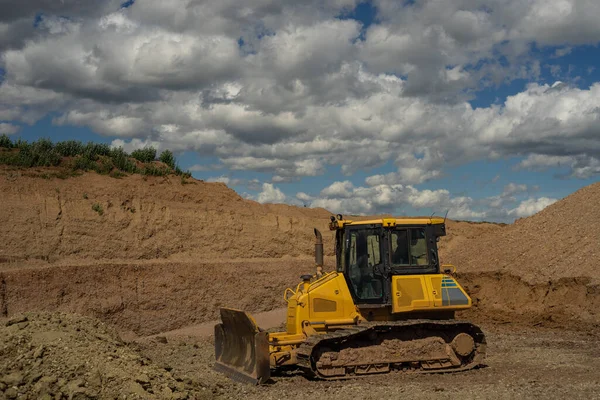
<point>386,222</point>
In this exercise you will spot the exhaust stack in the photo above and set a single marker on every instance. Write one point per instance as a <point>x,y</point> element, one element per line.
<point>318,253</point>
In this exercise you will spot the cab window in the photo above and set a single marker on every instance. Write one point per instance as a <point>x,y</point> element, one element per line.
<point>364,253</point>
<point>409,247</point>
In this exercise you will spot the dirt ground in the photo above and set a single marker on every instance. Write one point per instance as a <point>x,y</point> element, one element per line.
<point>522,363</point>
<point>121,304</point>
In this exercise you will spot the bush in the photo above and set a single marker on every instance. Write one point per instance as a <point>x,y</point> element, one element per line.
<point>104,166</point>
<point>93,150</point>
<point>83,163</point>
<point>97,157</point>
<point>168,158</point>
<point>40,153</point>
<point>98,208</point>
<point>121,160</point>
<point>117,174</point>
<point>145,155</point>
<point>184,174</point>
<point>154,170</point>
<point>9,158</point>
<point>5,142</point>
<point>69,148</point>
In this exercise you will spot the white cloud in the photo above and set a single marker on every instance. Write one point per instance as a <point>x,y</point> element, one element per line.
<point>338,189</point>
<point>514,188</point>
<point>304,197</point>
<point>288,89</point>
<point>270,194</point>
<point>531,206</point>
<point>226,180</point>
<point>8,129</point>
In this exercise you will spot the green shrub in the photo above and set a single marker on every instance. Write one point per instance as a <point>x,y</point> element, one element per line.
<point>40,153</point>
<point>83,163</point>
<point>145,155</point>
<point>117,174</point>
<point>179,171</point>
<point>93,150</point>
<point>5,141</point>
<point>121,160</point>
<point>98,208</point>
<point>104,166</point>
<point>69,148</point>
<point>97,157</point>
<point>154,170</point>
<point>21,144</point>
<point>168,158</point>
<point>9,158</point>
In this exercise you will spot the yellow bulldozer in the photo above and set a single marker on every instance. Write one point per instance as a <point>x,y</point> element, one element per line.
<point>388,307</point>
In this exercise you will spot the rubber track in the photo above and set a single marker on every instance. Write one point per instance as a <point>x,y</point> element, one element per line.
<point>307,348</point>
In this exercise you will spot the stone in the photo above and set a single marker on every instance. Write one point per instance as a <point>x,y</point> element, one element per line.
<point>161,339</point>
<point>14,379</point>
<point>11,393</point>
<point>35,377</point>
<point>142,379</point>
<point>16,320</point>
<point>39,352</point>
<point>22,325</point>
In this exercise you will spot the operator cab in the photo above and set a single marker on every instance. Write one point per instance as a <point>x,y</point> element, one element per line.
<point>370,252</point>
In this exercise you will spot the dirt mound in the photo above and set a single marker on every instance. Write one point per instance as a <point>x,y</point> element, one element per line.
<point>562,241</point>
<point>66,356</point>
<point>151,297</point>
<point>141,217</point>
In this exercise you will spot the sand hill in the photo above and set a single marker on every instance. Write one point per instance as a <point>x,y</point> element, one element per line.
<point>561,241</point>
<point>154,254</point>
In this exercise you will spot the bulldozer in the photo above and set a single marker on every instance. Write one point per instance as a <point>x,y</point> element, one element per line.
<point>387,308</point>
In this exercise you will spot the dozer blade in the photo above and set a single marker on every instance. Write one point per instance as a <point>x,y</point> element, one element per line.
<point>241,348</point>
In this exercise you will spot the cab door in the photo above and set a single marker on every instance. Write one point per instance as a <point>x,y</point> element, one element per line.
<point>364,264</point>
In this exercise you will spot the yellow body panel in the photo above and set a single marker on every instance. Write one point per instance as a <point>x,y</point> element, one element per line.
<point>325,303</point>
<point>386,222</point>
<point>427,292</point>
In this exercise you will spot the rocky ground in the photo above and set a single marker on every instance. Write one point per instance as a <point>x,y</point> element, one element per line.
<point>522,362</point>
<point>107,304</point>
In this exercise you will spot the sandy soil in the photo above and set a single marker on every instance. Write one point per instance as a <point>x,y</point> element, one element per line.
<point>154,267</point>
<point>522,363</point>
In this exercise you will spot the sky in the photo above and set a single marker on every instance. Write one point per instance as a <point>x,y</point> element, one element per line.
<point>482,109</point>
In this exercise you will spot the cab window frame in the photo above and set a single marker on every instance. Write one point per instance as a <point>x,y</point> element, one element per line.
<point>432,264</point>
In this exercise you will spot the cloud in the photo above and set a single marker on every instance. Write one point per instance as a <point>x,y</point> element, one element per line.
<point>513,188</point>
<point>270,194</point>
<point>304,197</point>
<point>226,180</point>
<point>531,206</point>
<point>287,88</point>
<point>8,129</point>
<point>343,197</point>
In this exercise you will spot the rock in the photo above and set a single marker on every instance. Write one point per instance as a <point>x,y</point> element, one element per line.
<point>35,377</point>
<point>142,379</point>
<point>161,339</point>
<point>16,320</point>
<point>11,393</point>
<point>2,386</point>
<point>22,325</point>
<point>39,353</point>
<point>14,379</point>
<point>48,379</point>
<point>82,394</point>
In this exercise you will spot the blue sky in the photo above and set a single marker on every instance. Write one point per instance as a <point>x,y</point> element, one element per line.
<point>358,107</point>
